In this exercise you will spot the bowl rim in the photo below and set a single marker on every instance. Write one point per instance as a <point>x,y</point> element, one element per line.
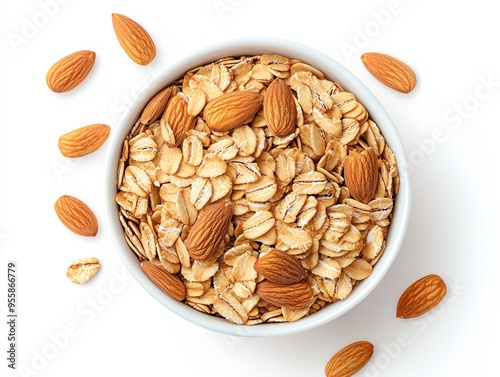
<point>334,71</point>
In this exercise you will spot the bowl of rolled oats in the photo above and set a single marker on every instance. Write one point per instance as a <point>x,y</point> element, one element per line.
<point>256,188</point>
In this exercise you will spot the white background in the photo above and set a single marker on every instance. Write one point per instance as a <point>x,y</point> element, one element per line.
<point>449,126</point>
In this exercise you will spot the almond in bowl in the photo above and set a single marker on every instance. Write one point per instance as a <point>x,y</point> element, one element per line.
<point>260,184</point>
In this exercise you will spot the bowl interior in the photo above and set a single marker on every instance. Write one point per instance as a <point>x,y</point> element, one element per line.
<point>333,71</point>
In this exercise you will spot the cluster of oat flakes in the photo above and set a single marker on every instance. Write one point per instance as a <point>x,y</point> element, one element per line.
<point>288,192</point>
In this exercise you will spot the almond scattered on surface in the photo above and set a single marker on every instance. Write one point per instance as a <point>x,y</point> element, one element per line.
<point>134,39</point>
<point>83,140</point>
<point>68,72</point>
<point>76,216</point>
<point>349,360</point>
<point>421,296</point>
<point>390,71</point>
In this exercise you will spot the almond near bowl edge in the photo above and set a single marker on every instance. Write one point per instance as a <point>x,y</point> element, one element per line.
<point>334,71</point>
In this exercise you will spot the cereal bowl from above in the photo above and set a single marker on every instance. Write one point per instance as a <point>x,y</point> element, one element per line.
<point>393,238</point>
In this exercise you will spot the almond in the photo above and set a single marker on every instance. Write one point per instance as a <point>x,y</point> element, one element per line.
<point>294,296</point>
<point>68,72</point>
<point>83,140</point>
<point>232,110</point>
<point>280,267</point>
<point>156,106</point>
<point>134,39</point>
<point>390,71</point>
<point>421,296</point>
<point>209,230</point>
<point>349,360</point>
<point>167,282</point>
<point>76,216</point>
<point>361,174</point>
<point>279,108</point>
<point>177,118</point>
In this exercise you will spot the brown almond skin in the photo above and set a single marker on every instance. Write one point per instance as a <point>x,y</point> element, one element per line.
<point>231,110</point>
<point>280,267</point>
<point>294,296</point>
<point>76,216</point>
<point>177,117</point>
<point>349,360</point>
<point>361,175</point>
<point>156,106</point>
<point>209,230</point>
<point>167,282</point>
<point>279,108</point>
<point>134,39</point>
<point>421,296</point>
<point>390,71</point>
<point>68,72</point>
<point>83,140</point>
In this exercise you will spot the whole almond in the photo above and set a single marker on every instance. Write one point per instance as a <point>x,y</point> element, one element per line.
<point>207,233</point>
<point>68,72</point>
<point>134,39</point>
<point>421,296</point>
<point>156,106</point>
<point>177,118</point>
<point>390,71</point>
<point>280,267</point>
<point>279,108</point>
<point>294,296</point>
<point>76,216</point>
<point>167,282</point>
<point>83,140</point>
<point>82,270</point>
<point>232,110</point>
<point>349,360</point>
<point>361,174</point>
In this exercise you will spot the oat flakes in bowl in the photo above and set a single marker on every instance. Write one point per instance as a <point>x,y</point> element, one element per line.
<point>268,194</point>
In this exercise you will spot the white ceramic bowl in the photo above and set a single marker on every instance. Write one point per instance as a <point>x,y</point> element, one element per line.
<point>333,71</point>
